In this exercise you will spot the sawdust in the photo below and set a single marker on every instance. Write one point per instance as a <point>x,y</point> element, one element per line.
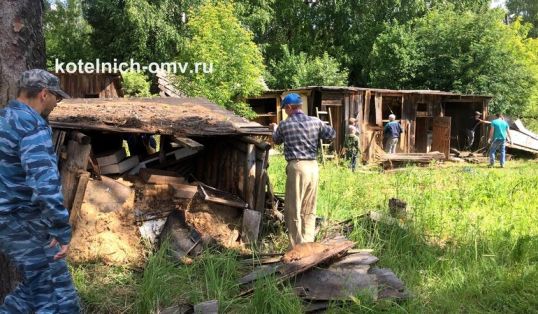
<point>303,250</point>
<point>107,234</point>
<point>213,221</point>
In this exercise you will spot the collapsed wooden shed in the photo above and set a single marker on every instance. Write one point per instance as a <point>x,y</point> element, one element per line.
<point>203,150</point>
<point>432,120</point>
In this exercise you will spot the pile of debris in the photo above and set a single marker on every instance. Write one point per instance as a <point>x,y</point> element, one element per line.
<point>134,168</point>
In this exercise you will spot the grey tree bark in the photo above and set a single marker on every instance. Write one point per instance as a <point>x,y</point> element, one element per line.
<point>22,47</point>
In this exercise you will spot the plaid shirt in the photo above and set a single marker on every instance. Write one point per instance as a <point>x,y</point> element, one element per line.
<point>300,135</point>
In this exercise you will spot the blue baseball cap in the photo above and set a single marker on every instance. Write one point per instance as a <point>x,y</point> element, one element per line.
<point>291,99</point>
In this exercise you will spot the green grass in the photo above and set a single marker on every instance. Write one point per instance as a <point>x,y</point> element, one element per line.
<point>469,246</point>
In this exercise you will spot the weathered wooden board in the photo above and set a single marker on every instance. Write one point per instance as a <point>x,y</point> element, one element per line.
<point>121,167</point>
<point>111,158</point>
<point>207,307</point>
<point>251,226</point>
<point>335,284</point>
<point>183,190</point>
<point>353,260</point>
<point>187,142</point>
<point>156,176</point>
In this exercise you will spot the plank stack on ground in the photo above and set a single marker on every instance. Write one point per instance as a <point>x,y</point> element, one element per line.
<point>329,271</point>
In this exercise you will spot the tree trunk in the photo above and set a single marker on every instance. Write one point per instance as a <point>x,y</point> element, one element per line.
<point>22,47</point>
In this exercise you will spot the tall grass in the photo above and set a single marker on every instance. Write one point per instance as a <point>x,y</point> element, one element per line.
<point>470,245</point>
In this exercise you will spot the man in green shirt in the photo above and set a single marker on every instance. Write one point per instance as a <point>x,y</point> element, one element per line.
<point>498,133</point>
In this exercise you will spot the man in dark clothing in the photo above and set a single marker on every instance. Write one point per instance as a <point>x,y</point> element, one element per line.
<point>392,132</point>
<point>470,128</point>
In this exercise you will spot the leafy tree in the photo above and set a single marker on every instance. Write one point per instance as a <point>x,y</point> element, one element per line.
<point>67,33</point>
<point>296,70</point>
<point>346,29</point>
<point>462,52</point>
<point>218,39</point>
<point>528,10</point>
<point>146,30</point>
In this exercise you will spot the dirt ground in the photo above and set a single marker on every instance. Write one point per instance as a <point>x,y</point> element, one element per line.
<point>105,229</point>
<point>213,221</point>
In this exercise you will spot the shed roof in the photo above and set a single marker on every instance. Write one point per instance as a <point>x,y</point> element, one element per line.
<point>172,116</point>
<point>388,91</point>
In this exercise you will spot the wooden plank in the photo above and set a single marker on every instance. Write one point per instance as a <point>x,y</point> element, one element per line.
<point>111,158</point>
<point>83,179</point>
<point>335,284</point>
<point>316,255</point>
<point>352,260</point>
<point>441,135</point>
<point>121,167</point>
<point>251,226</point>
<point>184,190</point>
<point>187,142</point>
<point>366,119</point>
<point>250,175</point>
<point>230,200</point>
<point>260,272</point>
<point>157,176</point>
<point>77,160</point>
<point>378,109</point>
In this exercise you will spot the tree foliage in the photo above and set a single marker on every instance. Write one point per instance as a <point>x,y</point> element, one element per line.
<point>296,70</point>
<point>67,33</point>
<point>467,53</point>
<point>146,30</point>
<point>528,10</point>
<point>217,38</point>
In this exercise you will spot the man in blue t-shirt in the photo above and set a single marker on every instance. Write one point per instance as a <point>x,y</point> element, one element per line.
<point>392,132</point>
<point>498,133</point>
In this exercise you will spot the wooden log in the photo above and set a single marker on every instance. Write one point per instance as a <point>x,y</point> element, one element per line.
<point>251,226</point>
<point>77,161</point>
<point>250,175</point>
<point>81,138</point>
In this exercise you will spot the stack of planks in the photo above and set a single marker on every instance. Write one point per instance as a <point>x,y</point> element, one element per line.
<point>328,271</point>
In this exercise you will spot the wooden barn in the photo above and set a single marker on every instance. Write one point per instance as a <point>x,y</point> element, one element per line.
<point>431,120</point>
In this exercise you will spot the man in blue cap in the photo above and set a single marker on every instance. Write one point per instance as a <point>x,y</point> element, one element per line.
<point>300,135</point>
<point>34,225</point>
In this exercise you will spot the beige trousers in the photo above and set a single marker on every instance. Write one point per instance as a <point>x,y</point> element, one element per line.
<point>301,196</point>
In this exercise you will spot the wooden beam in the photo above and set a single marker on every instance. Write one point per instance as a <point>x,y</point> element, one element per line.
<point>83,179</point>
<point>250,175</point>
<point>77,160</point>
<point>187,142</point>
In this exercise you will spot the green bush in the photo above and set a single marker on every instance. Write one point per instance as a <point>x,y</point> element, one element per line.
<point>299,70</point>
<point>136,84</point>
